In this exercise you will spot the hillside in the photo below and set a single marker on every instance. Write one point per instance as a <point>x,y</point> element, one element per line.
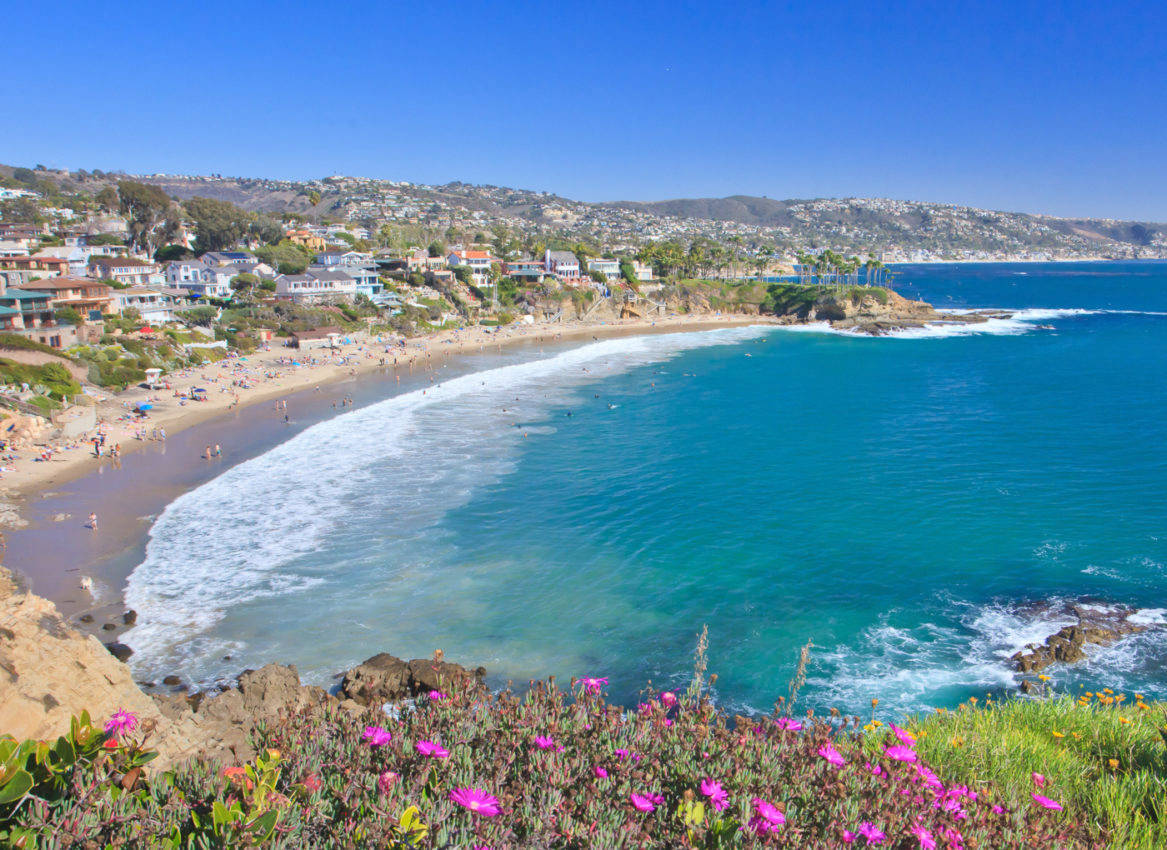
<point>897,230</point>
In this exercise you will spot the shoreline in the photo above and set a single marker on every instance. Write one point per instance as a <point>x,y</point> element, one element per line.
<point>52,549</point>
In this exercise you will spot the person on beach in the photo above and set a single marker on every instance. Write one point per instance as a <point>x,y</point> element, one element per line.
<point>207,453</point>
<point>218,451</point>
<point>93,521</point>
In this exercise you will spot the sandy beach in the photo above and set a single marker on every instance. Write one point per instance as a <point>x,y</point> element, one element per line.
<point>52,548</point>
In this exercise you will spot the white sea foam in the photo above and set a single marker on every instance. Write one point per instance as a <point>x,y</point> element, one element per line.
<point>406,461</point>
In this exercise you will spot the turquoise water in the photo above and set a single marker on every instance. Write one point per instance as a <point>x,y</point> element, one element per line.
<point>905,503</point>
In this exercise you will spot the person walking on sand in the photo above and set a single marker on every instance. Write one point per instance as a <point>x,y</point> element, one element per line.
<point>207,453</point>
<point>93,521</point>
<point>218,451</point>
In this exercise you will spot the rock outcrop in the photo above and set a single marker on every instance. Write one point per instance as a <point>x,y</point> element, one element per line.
<point>384,678</point>
<point>1098,626</point>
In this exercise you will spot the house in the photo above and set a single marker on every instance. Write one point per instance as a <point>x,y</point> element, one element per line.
<point>343,258</point>
<point>37,266</point>
<point>563,264</point>
<point>610,269</point>
<point>30,314</point>
<point>643,270</point>
<point>91,298</point>
<point>368,282</point>
<point>305,238</point>
<point>76,256</point>
<point>199,279</point>
<point>316,285</point>
<point>154,306</point>
<point>477,261</point>
<point>128,271</point>
<point>227,258</point>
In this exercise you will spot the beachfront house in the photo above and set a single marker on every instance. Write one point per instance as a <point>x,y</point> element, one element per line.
<point>227,258</point>
<point>327,337</point>
<point>524,269</point>
<point>563,264</point>
<point>29,313</point>
<point>316,285</point>
<point>154,306</point>
<point>128,271</point>
<point>477,261</point>
<point>91,298</point>
<point>610,269</point>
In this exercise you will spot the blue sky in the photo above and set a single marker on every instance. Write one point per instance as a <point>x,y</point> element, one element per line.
<point>1039,107</point>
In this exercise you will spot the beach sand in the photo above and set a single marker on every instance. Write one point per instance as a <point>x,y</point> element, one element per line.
<point>56,549</point>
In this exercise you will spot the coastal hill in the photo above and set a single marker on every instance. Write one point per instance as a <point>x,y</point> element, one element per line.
<point>897,230</point>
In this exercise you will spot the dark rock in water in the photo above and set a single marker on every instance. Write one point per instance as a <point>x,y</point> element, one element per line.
<point>172,680</point>
<point>130,617</point>
<point>1097,626</point>
<point>386,677</point>
<point>226,657</point>
<point>86,618</point>
<point>119,651</point>
<point>109,627</point>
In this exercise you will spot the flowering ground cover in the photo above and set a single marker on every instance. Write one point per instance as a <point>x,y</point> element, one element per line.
<point>552,768</point>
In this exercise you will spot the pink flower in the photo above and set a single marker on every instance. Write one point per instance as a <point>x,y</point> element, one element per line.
<point>601,773</point>
<point>712,789</point>
<point>872,833</point>
<point>832,755</point>
<point>997,810</point>
<point>767,817</point>
<point>544,742</point>
<point>875,769</point>
<point>376,736</point>
<point>385,781</point>
<point>929,778</point>
<point>593,685</point>
<point>437,751</point>
<point>927,842</point>
<point>437,696</point>
<point>848,837</point>
<point>121,722</point>
<point>312,782</point>
<point>623,754</point>
<point>1038,780</point>
<point>788,723</point>
<point>906,737</point>
<point>900,753</point>
<point>953,837</point>
<point>477,801</point>
<point>1046,802</point>
<point>643,802</point>
<point>668,698</point>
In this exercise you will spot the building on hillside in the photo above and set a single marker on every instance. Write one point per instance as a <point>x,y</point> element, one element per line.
<point>30,314</point>
<point>368,282</point>
<point>328,337</point>
<point>477,261</point>
<point>643,270</point>
<point>91,298</point>
<point>316,286</point>
<point>524,269</point>
<point>227,258</point>
<point>36,266</point>
<point>128,271</point>
<point>610,269</point>
<point>563,264</point>
<point>306,239</point>
<point>154,306</point>
<point>344,258</point>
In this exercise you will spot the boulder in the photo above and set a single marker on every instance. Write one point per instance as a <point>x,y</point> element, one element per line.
<point>427,675</point>
<point>381,678</point>
<point>130,617</point>
<point>119,651</point>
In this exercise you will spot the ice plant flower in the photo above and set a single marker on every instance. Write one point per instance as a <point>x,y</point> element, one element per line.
<point>593,684</point>
<point>429,748</point>
<point>1046,802</point>
<point>376,736</point>
<point>1039,780</point>
<point>767,817</point>
<point>872,833</point>
<point>601,773</point>
<point>668,698</point>
<point>906,737</point>
<point>875,769</point>
<point>312,782</point>
<point>385,781</point>
<point>712,789</point>
<point>788,723</point>
<point>848,836</point>
<point>121,722</point>
<point>900,753</point>
<point>832,755</point>
<point>643,802</point>
<point>477,801</point>
<point>927,842</point>
<point>437,696</point>
<point>544,742</point>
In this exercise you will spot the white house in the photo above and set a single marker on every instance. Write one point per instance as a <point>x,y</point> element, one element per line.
<point>153,306</point>
<point>316,285</point>
<point>199,279</point>
<point>610,269</point>
<point>126,270</point>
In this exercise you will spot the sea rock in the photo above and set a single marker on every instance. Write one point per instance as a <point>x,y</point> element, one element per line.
<point>86,618</point>
<point>1097,625</point>
<point>119,651</point>
<point>386,677</point>
<point>109,627</point>
<point>130,617</point>
<point>172,680</point>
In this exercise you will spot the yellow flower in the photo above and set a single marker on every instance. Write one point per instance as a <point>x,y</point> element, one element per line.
<point>1113,764</point>
<point>1076,735</point>
<point>1107,691</point>
<point>1088,694</point>
<point>1058,734</point>
<point>973,700</point>
<point>1120,698</point>
<point>877,723</point>
<point>1043,677</point>
<point>1139,696</point>
<point>1124,720</point>
<point>1142,706</point>
<point>874,702</point>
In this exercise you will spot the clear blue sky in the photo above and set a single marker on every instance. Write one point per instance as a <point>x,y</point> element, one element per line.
<point>1040,107</point>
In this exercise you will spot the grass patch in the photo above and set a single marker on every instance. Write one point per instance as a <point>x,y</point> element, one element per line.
<point>1104,760</point>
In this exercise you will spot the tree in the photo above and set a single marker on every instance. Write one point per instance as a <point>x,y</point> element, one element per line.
<point>219,225</point>
<point>436,249</point>
<point>203,315</point>
<point>287,257</point>
<point>244,283</point>
<point>628,272</point>
<point>463,274</point>
<point>170,253</point>
<point>146,208</point>
<point>107,199</point>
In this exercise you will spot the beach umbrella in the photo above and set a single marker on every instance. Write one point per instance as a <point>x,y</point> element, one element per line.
<point>145,406</point>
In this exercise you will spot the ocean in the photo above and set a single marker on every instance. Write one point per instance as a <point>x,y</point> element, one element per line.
<point>918,506</point>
